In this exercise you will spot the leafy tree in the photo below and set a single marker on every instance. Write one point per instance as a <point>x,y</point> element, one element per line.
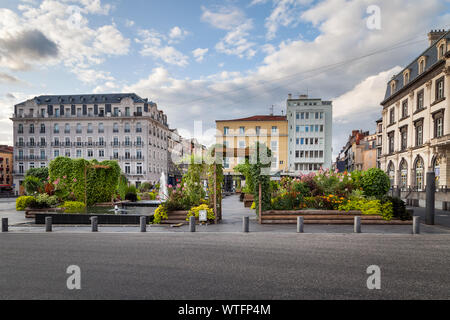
<point>375,183</point>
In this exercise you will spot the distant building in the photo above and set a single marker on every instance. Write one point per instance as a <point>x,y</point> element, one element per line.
<point>122,127</point>
<point>359,153</point>
<point>243,133</point>
<point>379,133</point>
<point>6,167</point>
<point>310,134</point>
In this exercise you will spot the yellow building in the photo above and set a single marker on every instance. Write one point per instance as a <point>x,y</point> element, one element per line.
<point>6,167</point>
<point>245,132</point>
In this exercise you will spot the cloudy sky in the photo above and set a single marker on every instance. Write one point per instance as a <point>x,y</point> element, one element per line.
<point>205,60</point>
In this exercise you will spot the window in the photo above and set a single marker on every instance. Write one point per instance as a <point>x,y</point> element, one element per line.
<point>420,100</point>
<point>306,115</point>
<point>101,141</point>
<point>406,77</point>
<point>90,153</point>
<point>115,141</point>
<point>67,153</point>
<point>419,173</point>
<point>438,126</point>
<point>56,153</point>
<point>116,154</point>
<point>138,127</point>
<point>421,65</point>
<point>441,51</point>
<point>403,175</point>
<point>20,128</point>
<point>67,141</point>
<point>78,153</point>
<point>138,154</point>
<point>242,130</point>
<point>139,168</point>
<point>391,116</point>
<point>241,144</point>
<point>274,146</point>
<point>391,142</point>
<point>79,129</point>
<point>42,128</point>
<point>127,111</point>
<point>419,134</point>
<point>404,138</point>
<point>127,154</point>
<point>67,128</point>
<point>101,128</point>
<point>89,128</point>
<point>127,168</point>
<point>393,86</point>
<point>321,128</point>
<point>225,130</point>
<point>440,88</point>
<point>56,128</point>
<point>226,163</point>
<point>115,127</point>
<point>404,108</point>
<point>31,128</point>
<point>101,153</point>
<point>258,130</point>
<point>274,129</point>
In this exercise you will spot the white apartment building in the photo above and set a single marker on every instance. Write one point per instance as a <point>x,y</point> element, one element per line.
<point>122,127</point>
<point>416,119</point>
<point>310,134</point>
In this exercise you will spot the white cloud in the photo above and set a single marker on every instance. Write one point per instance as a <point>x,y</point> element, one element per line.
<point>176,34</point>
<point>154,45</point>
<point>294,66</point>
<point>129,23</point>
<point>232,19</point>
<point>76,45</point>
<point>199,54</point>
<point>108,86</point>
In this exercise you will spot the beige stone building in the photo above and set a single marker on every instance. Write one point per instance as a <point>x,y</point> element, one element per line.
<point>416,119</point>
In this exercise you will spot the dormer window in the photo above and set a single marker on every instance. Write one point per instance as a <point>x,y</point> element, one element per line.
<point>441,48</point>
<point>406,77</point>
<point>393,86</point>
<point>422,61</point>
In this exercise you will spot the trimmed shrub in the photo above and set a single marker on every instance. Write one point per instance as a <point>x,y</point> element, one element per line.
<point>195,211</point>
<point>24,202</point>
<point>43,200</point>
<point>73,207</point>
<point>375,183</point>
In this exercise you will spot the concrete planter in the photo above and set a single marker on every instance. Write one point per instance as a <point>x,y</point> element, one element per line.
<point>314,216</point>
<point>31,213</point>
<point>81,218</point>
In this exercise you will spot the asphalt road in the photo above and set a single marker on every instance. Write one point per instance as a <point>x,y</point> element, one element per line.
<point>223,266</point>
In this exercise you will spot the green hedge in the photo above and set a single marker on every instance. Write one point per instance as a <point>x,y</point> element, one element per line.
<point>73,207</point>
<point>23,202</point>
<point>101,182</point>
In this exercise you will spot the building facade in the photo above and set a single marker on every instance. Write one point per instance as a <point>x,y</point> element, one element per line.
<point>359,153</point>
<point>416,119</point>
<point>310,134</point>
<point>6,167</point>
<point>245,132</point>
<point>122,127</point>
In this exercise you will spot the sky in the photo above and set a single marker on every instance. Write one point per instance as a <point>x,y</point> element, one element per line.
<point>207,60</point>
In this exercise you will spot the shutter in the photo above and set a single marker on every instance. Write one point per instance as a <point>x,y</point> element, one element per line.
<point>95,109</point>
<point>84,109</point>
<point>61,109</point>
<point>108,107</point>
<point>72,107</point>
<point>50,110</point>
<point>145,107</point>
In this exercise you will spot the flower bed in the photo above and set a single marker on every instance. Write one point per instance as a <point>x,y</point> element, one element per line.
<point>335,198</point>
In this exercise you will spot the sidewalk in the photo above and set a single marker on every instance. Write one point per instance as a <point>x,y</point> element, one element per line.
<point>233,212</point>
<point>441,217</point>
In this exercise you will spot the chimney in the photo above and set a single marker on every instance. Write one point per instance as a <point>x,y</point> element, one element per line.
<point>434,35</point>
<point>303,96</point>
<point>289,95</point>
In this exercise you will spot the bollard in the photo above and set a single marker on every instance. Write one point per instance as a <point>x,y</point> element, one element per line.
<point>245,224</point>
<point>416,225</point>
<point>94,224</point>
<point>357,225</point>
<point>48,224</point>
<point>192,224</point>
<point>4,224</point>
<point>143,224</point>
<point>429,202</point>
<point>299,224</point>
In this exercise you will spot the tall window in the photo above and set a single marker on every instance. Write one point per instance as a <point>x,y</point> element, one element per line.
<point>79,129</point>
<point>241,130</point>
<point>440,88</point>
<point>101,128</point>
<point>391,142</point>
<point>438,127</point>
<point>20,128</point>
<point>391,173</point>
<point>42,128</point>
<point>419,173</point>
<point>403,175</point>
<point>67,128</point>
<point>404,138</point>
<point>89,128</point>
<point>391,116</point>
<point>420,100</point>
<point>258,130</point>
<point>31,128</point>
<point>419,134</point>
<point>115,127</point>
<point>55,128</point>
<point>404,108</point>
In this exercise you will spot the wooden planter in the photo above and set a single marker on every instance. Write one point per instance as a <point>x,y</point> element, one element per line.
<point>313,216</point>
<point>31,213</point>
<point>248,200</point>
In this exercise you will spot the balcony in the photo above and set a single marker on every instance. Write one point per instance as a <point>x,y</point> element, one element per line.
<point>30,158</point>
<point>127,158</point>
<point>137,114</point>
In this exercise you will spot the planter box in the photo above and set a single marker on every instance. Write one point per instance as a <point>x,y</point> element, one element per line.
<point>313,216</point>
<point>248,200</point>
<point>81,218</point>
<point>31,213</point>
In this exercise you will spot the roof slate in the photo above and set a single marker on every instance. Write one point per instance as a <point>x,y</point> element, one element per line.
<point>87,98</point>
